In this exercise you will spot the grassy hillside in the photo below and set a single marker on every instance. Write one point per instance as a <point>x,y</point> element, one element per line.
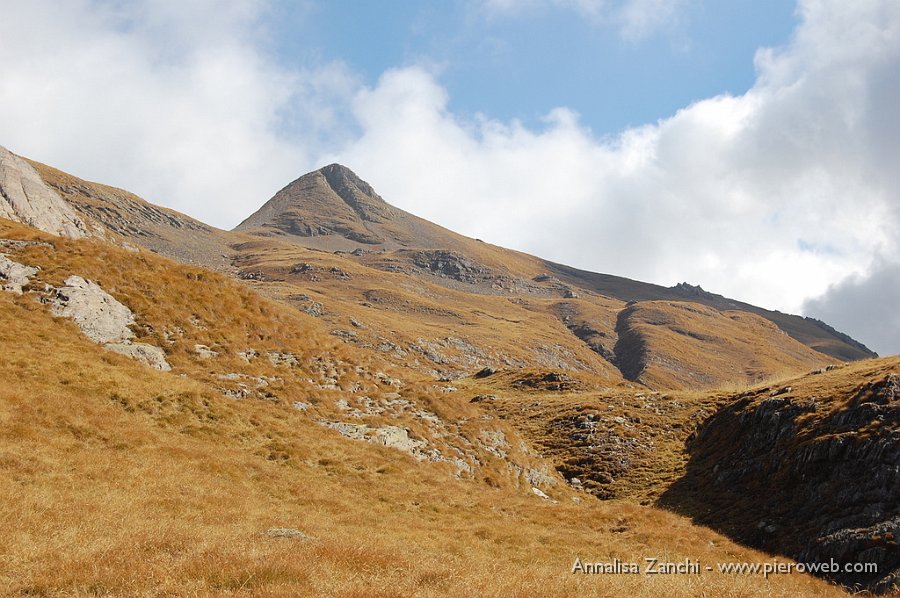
<point>448,332</point>
<point>676,344</point>
<point>812,333</point>
<point>121,480</point>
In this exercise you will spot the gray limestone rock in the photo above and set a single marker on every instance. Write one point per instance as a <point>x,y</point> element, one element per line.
<point>25,198</point>
<point>287,532</point>
<point>13,275</point>
<point>149,355</point>
<point>97,313</point>
<point>104,320</point>
<point>205,352</point>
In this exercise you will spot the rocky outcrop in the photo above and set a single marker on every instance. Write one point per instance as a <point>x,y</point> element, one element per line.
<point>357,193</point>
<point>451,264</point>
<point>390,436</point>
<point>693,292</point>
<point>813,476</point>
<point>104,320</point>
<point>13,275</point>
<point>150,355</point>
<point>97,313</point>
<point>397,438</point>
<point>24,197</point>
<point>547,381</point>
<point>597,453</point>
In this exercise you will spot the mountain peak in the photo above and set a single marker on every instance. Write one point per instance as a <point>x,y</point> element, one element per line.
<point>329,202</point>
<point>339,176</point>
<point>335,166</point>
<point>337,171</point>
<point>356,193</point>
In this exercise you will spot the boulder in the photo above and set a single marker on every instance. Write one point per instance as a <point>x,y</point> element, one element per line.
<point>149,355</point>
<point>485,373</point>
<point>104,320</point>
<point>13,275</point>
<point>205,352</point>
<point>97,313</point>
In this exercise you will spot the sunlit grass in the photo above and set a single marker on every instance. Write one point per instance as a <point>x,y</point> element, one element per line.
<point>117,480</point>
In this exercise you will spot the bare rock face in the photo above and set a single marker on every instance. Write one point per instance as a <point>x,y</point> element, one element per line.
<point>13,275</point>
<point>451,264</point>
<point>104,320</point>
<point>25,198</point>
<point>97,313</point>
<point>795,476</point>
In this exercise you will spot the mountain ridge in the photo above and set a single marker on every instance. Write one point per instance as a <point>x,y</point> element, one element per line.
<point>831,342</point>
<point>333,210</point>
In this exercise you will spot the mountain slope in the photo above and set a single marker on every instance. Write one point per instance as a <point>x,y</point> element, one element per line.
<point>125,217</point>
<point>25,198</point>
<point>172,430</point>
<point>119,479</point>
<point>383,279</point>
<point>675,344</point>
<point>809,331</point>
<point>352,218</point>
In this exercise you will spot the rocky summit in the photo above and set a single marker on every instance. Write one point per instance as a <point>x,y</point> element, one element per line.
<point>338,397</point>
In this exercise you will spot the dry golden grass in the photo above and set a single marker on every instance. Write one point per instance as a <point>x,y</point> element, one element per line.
<point>420,318</point>
<point>119,480</point>
<point>691,346</point>
<point>677,345</point>
<point>513,326</point>
<point>117,501</point>
<point>179,307</point>
<point>833,389</point>
<point>500,330</point>
<point>586,431</point>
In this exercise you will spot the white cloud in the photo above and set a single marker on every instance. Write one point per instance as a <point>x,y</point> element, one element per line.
<point>769,197</point>
<point>177,102</point>
<point>640,18</point>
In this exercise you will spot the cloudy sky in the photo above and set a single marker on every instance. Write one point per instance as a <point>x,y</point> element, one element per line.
<point>749,146</point>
